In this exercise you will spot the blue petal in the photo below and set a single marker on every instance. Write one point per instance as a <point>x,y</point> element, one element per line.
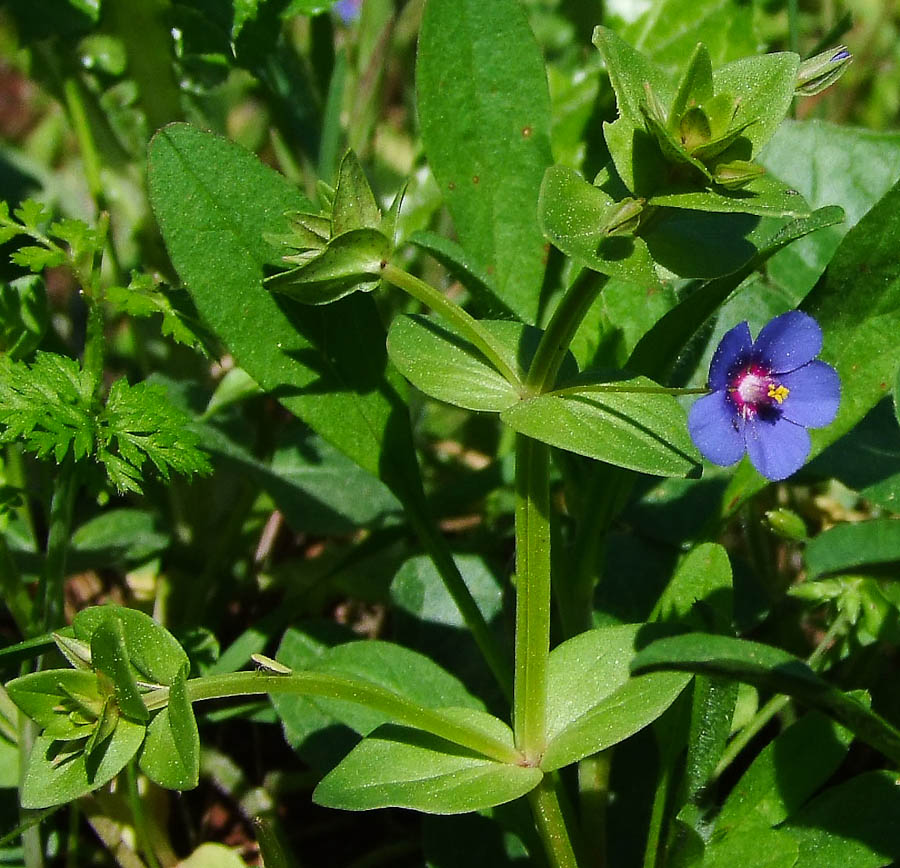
<point>733,349</point>
<point>788,341</point>
<point>712,423</point>
<point>777,448</point>
<point>814,395</point>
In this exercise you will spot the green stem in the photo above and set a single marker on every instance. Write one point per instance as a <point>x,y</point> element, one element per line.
<point>776,703</point>
<point>641,390</point>
<point>32,847</point>
<point>557,337</point>
<point>50,592</point>
<point>142,832</point>
<point>657,814</point>
<point>90,159</point>
<point>551,825</point>
<point>397,707</point>
<point>441,556</point>
<point>470,328</point>
<point>532,596</point>
<point>593,798</point>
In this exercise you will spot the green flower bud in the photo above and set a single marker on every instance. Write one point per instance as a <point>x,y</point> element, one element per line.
<point>736,174</point>
<point>624,217</point>
<point>694,128</point>
<point>787,524</point>
<point>821,71</point>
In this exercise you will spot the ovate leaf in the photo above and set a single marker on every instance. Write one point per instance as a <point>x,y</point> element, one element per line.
<point>484,112</point>
<point>638,430</point>
<point>326,365</point>
<point>594,702</point>
<point>401,767</point>
<point>57,772</point>
<point>171,752</point>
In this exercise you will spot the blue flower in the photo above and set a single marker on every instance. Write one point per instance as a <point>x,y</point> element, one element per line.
<point>765,394</point>
<point>348,10</point>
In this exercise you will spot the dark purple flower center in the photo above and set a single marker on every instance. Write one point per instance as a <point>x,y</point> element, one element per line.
<point>755,391</point>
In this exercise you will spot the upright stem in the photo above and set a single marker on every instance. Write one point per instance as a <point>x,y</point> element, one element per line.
<point>472,330</point>
<point>90,159</point>
<point>593,797</point>
<point>532,596</point>
<point>558,335</point>
<point>551,825</point>
<point>141,829</point>
<point>52,581</point>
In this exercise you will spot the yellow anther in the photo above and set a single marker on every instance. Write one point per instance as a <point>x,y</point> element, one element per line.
<point>779,393</point>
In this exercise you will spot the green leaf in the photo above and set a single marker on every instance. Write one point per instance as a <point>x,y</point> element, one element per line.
<point>628,71</point>
<point>41,695</point>
<point>118,537</point>
<point>210,855</point>
<point>764,87</point>
<point>171,752</point>
<point>350,262</point>
<point>761,848</point>
<point>788,770</point>
<point>773,670</point>
<point>144,297</point>
<point>765,196</point>
<point>38,258</point>
<point>401,767</point>
<point>417,589</point>
<point>640,431</point>
<point>593,701</point>
<point>317,488</point>
<point>24,316</point>
<point>140,422</point>
<point>658,349</point>
<point>572,215</point>
<point>857,304</point>
<point>109,656</point>
<point>841,165</point>
<point>700,592</point>
<point>55,776</point>
<point>853,825</point>
<point>154,652</point>
<point>326,365</point>
<point>668,31</point>
<point>484,112</point>
<point>47,406</point>
<point>442,364</point>
<point>849,546</point>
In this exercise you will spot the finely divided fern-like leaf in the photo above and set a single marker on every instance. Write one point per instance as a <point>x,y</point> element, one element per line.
<point>49,407</point>
<point>140,422</point>
<point>143,297</point>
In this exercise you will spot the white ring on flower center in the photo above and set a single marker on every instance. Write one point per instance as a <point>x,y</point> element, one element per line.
<point>753,389</point>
